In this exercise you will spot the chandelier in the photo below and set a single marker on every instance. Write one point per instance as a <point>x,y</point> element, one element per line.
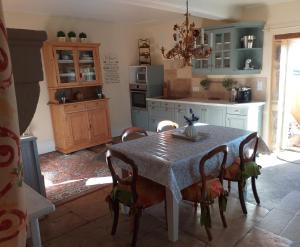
<point>186,46</point>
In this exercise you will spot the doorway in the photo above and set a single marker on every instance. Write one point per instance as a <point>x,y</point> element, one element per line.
<point>288,120</point>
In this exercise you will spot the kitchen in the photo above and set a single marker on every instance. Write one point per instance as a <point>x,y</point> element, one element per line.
<point>227,88</point>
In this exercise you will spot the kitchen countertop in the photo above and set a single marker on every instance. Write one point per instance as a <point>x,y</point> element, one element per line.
<point>192,100</point>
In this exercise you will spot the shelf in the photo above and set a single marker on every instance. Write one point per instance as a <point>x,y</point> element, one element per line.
<point>67,74</point>
<point>86,61</point>
<point>65,61</point>
<point>248,49</point>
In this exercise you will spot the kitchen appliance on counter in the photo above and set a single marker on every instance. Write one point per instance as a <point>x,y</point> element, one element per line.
<point>243,95</point>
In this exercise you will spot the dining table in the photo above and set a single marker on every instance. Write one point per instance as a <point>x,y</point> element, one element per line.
<point>174,162</point>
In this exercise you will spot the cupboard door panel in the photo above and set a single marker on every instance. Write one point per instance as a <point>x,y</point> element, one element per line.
<point>79,127</point>
<point>99,124</point>
<point>238,122</point>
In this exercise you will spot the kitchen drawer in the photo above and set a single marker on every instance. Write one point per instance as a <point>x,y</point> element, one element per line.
<point>95,104</point>
<point>243,111</point>
<point>154,104</point>
<point>75,107</point>
<point>180,106</point>
<point>167,105</point>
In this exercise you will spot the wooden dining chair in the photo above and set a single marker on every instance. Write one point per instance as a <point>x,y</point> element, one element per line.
<point>134,191</point>
<point>243,168</point>
<point>208,189</point>
<point>166,125</point>
<point>133,132</point>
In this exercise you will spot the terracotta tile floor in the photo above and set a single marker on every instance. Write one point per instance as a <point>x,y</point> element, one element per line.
<point>87,221</point>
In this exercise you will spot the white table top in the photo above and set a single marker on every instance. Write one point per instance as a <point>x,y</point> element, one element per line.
<point>37,205</point>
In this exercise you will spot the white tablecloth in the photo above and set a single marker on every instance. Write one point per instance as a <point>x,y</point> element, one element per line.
<point>174,162</point>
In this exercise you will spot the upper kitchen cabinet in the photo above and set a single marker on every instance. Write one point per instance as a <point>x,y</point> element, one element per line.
<point>72,64</point>
<point>236,49</point>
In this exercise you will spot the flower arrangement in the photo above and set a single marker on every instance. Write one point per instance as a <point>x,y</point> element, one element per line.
<point>82,37</point>
<point>192,120</point>
<point>61,36</point>
<point>205,84</point>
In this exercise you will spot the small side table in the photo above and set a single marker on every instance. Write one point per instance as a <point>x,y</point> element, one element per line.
<point>37,207</point>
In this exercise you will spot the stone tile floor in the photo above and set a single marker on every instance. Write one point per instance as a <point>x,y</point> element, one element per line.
<point>86,221</point>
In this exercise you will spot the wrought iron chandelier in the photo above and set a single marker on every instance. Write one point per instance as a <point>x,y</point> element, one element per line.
<point>186,46</point>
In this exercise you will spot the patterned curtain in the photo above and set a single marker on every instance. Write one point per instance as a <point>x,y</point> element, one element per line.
<point>12,208</point>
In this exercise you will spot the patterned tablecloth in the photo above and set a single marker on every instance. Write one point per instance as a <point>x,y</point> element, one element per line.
<point>174,162</point>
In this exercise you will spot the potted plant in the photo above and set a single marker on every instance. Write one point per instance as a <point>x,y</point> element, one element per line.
<point>205,84</point>
<point>190,130</point>
<point>82,37</point>
<point>72,36</point>
<point>228,83</point>
<point>61,36</point>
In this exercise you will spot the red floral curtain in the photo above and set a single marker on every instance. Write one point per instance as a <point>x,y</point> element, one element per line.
<point>12,208</point>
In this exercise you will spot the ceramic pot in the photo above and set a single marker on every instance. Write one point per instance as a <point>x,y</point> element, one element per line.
<point>73,39</point>
<point>61,39</point>
<point>190,131</point>
<point>83,40</point>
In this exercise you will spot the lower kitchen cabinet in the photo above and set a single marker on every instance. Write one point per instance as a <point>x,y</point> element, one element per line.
<point>80,125</point>
<point>235,121</point>
<point>216,115</point>
<point>140,118</point>
<point>240,116</point>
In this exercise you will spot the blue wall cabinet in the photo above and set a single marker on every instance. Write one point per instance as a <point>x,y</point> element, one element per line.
<point>229,54</point>
<point>140,118</point>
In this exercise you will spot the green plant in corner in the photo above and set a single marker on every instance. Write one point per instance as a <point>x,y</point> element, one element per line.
<point>228,83</point>
<point>82,35</point>
<point>71,34</point>
<point>205,84</point>
<point>61,34</point>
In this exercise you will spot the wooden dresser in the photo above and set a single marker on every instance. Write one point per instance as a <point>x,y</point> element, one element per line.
<point>80,116</point>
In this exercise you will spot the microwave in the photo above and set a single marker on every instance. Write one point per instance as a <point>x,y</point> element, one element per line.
<point>141,75</point>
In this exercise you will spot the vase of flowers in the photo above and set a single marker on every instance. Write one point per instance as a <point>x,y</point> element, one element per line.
<point>190,130</point>
<point>205,84</point>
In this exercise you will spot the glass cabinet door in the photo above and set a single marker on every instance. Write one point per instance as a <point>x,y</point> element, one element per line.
<point>203,65</point>
<point>87,67</point>
<point>66,65</point>
<point>222,50</point>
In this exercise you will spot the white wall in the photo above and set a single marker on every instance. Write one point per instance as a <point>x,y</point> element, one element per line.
<point>117,38</point>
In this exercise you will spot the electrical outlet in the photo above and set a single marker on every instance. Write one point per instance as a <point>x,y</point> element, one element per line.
<point>259,85</point>
<point>196,89</point>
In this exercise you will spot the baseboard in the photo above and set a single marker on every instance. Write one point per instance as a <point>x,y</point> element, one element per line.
<point>45,146</point>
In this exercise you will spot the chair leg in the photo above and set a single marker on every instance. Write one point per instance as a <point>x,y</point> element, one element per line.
<point>229,186</point>
<point>241,196</point>
<point>116,217</point>
<point>207,228</point>
<point>136,227</point>
<point>222,215</point>
<point>254,190</point>
<point>195,207</point>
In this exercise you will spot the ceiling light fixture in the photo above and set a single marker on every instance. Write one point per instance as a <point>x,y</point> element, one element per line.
<point>186,46</point>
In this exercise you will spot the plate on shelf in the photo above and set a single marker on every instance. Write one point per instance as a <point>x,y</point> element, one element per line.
<point>199,137</point>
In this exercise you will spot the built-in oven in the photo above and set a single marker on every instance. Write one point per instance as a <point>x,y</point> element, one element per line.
<point>141,75</point>
<point>138,95</point>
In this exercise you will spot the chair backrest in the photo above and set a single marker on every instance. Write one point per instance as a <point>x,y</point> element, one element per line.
<point>110,154</point>
<point>209,155</point>
<point>132,130</point>
<point>242,150</point>
<point>166,125</point>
